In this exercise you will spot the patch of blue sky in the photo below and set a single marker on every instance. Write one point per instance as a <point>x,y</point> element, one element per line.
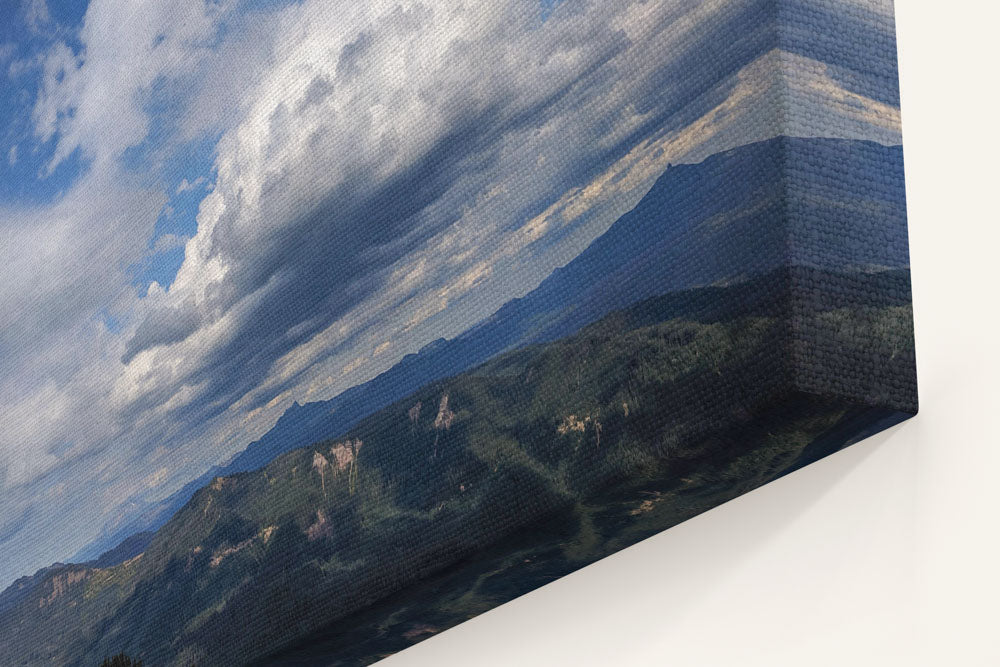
<point>160,267</point>
<point>111,322</point>
<point>23,157</point>
<point>23,180</point>
<point>177,223</point>
<point>184,169</point>
<point>548,6</point>
<point>187,174</point>
<point>67,13</point>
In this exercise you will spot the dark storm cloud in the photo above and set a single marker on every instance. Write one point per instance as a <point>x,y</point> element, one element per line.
<point>372,171</point>
<point>332,249</point>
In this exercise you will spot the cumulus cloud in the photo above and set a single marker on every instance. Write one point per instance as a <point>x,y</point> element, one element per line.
<point>92,101</point>
<point>387,173</point>
<point>185,186</point>
<point>62,264</point>
<point>169,242</point>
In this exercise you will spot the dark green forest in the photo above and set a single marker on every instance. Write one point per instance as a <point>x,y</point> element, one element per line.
<point>589,443</point>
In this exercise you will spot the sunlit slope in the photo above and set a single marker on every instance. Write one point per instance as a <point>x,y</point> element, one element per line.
<point>266,556</point>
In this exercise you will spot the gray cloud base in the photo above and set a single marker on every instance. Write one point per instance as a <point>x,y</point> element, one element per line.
<point>373,195</point>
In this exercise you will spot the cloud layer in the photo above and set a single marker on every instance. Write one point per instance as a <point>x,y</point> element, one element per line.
<point>384,173</point>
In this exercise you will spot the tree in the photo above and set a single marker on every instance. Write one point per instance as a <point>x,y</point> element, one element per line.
<point>121,660</point>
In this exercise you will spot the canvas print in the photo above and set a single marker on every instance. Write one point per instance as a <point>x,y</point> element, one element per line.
<point>329,325</point>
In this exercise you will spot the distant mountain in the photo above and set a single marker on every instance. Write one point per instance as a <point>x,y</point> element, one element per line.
<point>127,550</point>
<point>667,389</point>
<point>612,348</point>
<point>723,219</point>
<point>23,586</point>
<point>301,425</point>
<point>690,229</point>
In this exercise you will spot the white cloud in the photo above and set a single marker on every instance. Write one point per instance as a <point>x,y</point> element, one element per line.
<point>296,137</point>
<point>61,265</point>
<point>7,50</point>
<point>185,186</point>
<point>169,242</point>
<point>94,101</point>
<point>388,172</point>
<point>157,477</point>
<point>36,15</point>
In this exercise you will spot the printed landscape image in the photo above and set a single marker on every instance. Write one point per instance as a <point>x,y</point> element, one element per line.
<point>330,325</point>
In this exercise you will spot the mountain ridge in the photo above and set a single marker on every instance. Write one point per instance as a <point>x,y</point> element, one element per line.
<point>644,252</point>
<point>529,431</point>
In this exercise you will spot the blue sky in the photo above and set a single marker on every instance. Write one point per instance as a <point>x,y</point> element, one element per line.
<point>24,34</point>
<point>27,31</point>
<point>210,210</point>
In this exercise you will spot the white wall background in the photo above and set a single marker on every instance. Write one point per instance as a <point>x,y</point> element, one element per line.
<point>887,553</point>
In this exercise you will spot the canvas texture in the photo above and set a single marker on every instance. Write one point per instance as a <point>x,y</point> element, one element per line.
<point>389,313</point>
